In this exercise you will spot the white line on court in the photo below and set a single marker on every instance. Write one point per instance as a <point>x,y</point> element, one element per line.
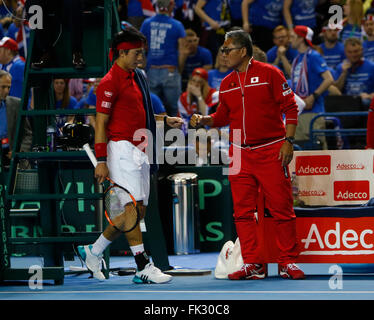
<point>184,292</point>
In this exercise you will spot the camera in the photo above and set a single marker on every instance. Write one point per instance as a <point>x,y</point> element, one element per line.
<point>75,135</point>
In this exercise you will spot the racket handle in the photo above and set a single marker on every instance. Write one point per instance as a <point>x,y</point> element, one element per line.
<point>90,154</point>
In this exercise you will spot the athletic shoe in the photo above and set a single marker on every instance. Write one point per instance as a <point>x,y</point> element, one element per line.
<point>290,271</point>
<point>249,271</point>
<point>151,274</point>
<point>92,261</point>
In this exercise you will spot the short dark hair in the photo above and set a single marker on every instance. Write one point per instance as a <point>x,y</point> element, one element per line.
<point>128,34</point>
<point>241,38</point>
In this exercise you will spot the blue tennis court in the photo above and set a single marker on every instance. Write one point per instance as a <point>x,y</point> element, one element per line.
<point>357,284</point>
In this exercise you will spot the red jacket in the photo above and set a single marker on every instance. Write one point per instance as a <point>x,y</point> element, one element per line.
<point>258,111</point>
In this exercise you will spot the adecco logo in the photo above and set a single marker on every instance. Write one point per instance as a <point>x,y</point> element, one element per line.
<point>343,236</point>
<point>351,190</point>
<point>313,165</point>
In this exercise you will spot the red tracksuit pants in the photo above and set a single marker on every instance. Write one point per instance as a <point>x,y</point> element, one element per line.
<point>261,167</point>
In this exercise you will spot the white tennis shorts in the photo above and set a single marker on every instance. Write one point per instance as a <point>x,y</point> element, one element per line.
<point>129,167</point>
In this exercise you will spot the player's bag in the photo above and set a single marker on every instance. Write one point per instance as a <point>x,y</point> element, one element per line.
<point>229,260</point>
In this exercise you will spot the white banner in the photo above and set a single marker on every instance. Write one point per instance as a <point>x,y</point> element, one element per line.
<point>333,177</point>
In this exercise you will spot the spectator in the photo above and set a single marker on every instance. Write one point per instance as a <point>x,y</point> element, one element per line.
<point>13,32</point>
<point>370,127</point>
<point>9,112</point>
<point>300,12</point>
<point>63,100</point>
<point>193,56</point>
<point>353,10</point>
<point>368,44</point>
<point>20,31</point>
<point>7,9</point>
<point>332,48</point>
<point>355,75</point>
<point>216,75</point>
<point>164,36</point>
<point>260,17</point>
<point>210,12</point>
<point>235,7</point>
<point>158,107</point>
<point>310,78</point>
<point>185,13</point>
<point>89,102</point>
<point>12,63</point>
<point>76,88</point>
<point>135,14</point>
<point>282,53</point>
<point>197,98</point>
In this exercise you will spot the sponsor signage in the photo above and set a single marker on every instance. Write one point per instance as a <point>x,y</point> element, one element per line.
<point>351,190</point>
<point>327,240</point>
<point>313,165</point>
<point>333,177</point>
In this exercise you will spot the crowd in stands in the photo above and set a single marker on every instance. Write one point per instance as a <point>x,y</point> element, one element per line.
<point>184,65</point>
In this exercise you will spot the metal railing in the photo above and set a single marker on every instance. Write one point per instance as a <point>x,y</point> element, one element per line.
<point>314,133</point>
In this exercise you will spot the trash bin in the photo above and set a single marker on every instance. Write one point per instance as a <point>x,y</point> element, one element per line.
<point>186,222</point>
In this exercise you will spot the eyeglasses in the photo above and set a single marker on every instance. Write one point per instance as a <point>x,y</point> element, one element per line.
<point>226,50</point>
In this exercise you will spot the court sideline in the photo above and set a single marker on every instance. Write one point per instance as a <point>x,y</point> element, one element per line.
<point>357,283</point>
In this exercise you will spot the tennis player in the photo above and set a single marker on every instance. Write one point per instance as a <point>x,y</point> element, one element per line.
<point>253,99</point>
<point>124,107</point>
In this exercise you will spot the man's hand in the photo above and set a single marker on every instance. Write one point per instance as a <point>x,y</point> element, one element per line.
<point>286,153</point>
<point>101,172</point>
<point>174,122</point>
<point>281,50</point>
<point>196,120</point>
<point>346,65</point>
<point>309,102</point>
<point>214,25</point>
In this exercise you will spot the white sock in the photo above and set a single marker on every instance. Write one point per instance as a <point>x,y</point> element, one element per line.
<point>137,249</point>
<point>100,245</point>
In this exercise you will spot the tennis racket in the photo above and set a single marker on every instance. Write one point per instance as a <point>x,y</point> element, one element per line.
<point>123,221</point>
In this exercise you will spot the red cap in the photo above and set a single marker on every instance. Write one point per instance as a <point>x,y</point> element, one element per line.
<point>201,72</point>
<point>9,43</point>
<point>305,32</point>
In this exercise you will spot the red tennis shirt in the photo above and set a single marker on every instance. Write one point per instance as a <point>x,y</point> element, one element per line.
<point>119,96</point>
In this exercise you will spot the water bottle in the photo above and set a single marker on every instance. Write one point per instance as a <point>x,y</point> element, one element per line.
<point>51,138</point>
<point>5,148</point>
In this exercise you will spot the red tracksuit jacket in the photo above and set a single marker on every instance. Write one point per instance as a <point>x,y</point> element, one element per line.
<point>256,105</point>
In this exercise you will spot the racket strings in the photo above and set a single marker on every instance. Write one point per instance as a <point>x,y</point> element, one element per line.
<point>123,218</point>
